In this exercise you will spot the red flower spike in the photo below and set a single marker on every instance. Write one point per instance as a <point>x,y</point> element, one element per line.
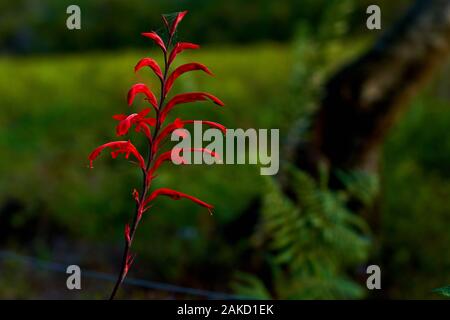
<point>178,19</point>
<point>137,119</point>
<point>176,195</point>
<point>156,38</point>
<point>180,47</point>
<point>212,124</point>
<point>142,88</point>
<point>127,233</point>
<point>151,126</point>
<point>152,64</point>
<point>186,98</point>
<point>118,147</point>
<point>183,69</point>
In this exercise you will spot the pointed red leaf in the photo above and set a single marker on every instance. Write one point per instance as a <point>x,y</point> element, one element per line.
<point>150,121</point>
<point>151,63</point>
<point>143,127</point>
<point>183,69</point>
<point>166,156</point>
<point>118,147</point>
<point>209,123</point>
<point>178,19</point>
<point>144,112</point>
<point>124,125</point>
<point>175,152</point>
<point>135,194</point>
<point>120,117</point>
<point>128,262</point>
<point>180,47</point>
<point>137,119</point>
<point>156,38</point>
<point>127,233</point>
<point>176,195</point>
<point>186,98</point>
<point>176,124</point>
<point>142,88</point>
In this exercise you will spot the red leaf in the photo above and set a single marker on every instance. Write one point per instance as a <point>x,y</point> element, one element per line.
<point>118,147</point>
<point>128,263</point>
<point>156,38</point>
<point>135,194</point>
<point>180,47</point>
<point>137,119</point>
<point>168,155</point>
<point>127,233</point>
<point>119,117</point>
<point>183,69</point>
<point>176,195</point>
<point>178,19</point>
<point>209,123</point>
<point>149,62</point>
<point>142,88</point>
<point>124,125</point>
<point>186,98</point>
<point>141,126</point>
<point>177,124</point>
<point>143,113</point>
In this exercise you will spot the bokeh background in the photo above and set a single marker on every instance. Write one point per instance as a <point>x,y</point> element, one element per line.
<point>59,89</point>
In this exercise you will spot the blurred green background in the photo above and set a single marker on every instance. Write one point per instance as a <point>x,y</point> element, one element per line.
<point>59,89</point>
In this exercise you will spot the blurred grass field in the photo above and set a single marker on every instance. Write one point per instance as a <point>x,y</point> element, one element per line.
<point>56,109</point>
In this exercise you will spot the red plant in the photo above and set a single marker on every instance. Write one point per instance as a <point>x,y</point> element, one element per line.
<point>154,131</point>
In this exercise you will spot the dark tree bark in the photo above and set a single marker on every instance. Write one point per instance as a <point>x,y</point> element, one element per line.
<point>361,103</point>
<point>365,98</point>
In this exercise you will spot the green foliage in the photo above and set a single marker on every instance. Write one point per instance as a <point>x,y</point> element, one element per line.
<point>318,50</point>
<point>250,286</point>
<point>314,241</point>
<point>416,189</point>
<point>445,291</point>
<point>360,185</point>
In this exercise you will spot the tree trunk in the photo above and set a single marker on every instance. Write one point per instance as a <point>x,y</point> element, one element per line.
<point>361,102</point>
<point>365,98</point>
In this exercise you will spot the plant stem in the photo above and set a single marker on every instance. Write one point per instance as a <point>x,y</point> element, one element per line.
<point>122,271</point>
<point>145,187</point>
